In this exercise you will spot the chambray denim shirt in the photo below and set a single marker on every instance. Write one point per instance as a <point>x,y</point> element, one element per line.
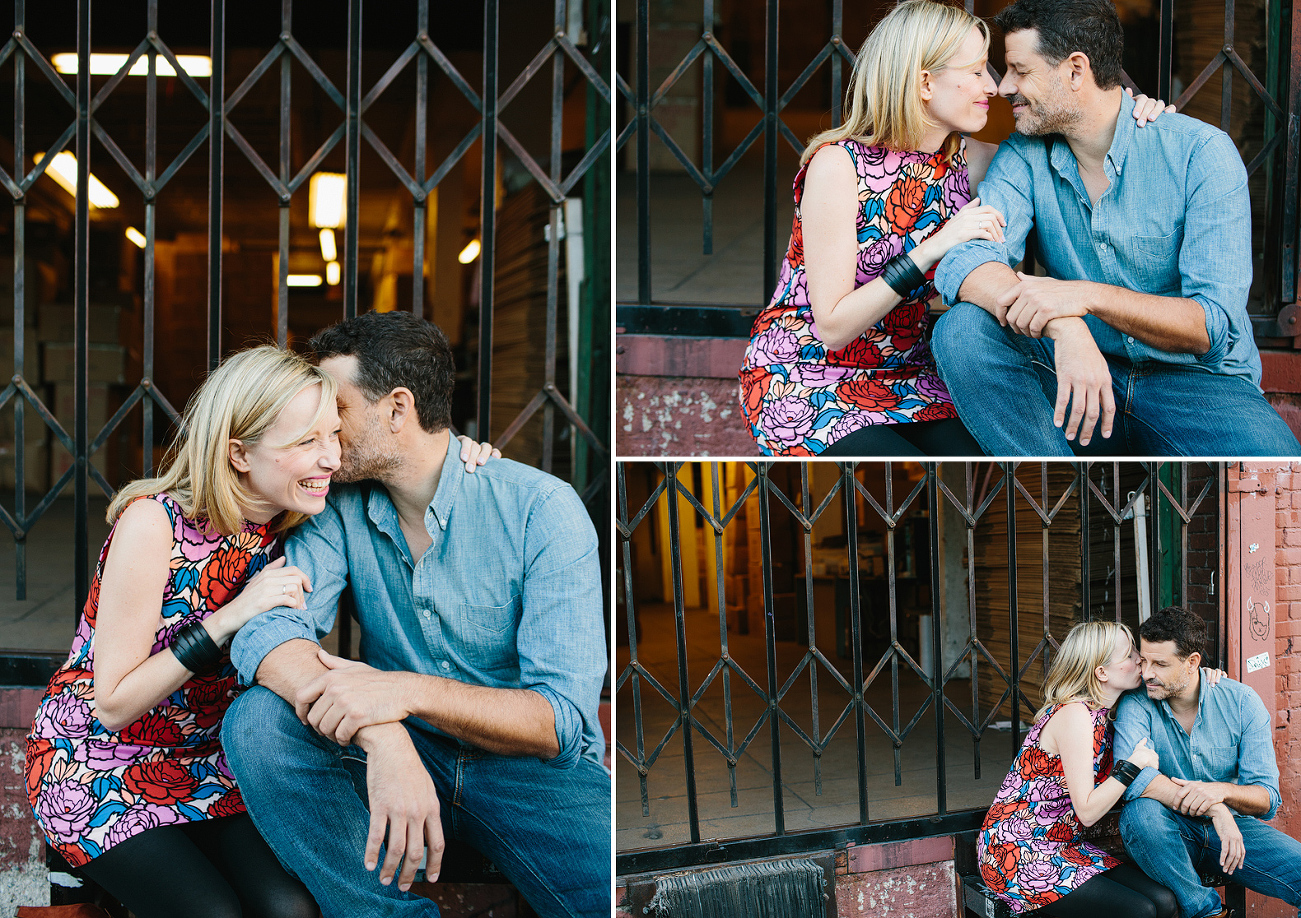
<point>508,595</point>
<point>1175,221</point>
<point>1231,741</point>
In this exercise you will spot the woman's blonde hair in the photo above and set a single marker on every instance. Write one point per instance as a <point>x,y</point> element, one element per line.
<point>1074,673</point>
<point>240,400</point>
<point>884,103</point>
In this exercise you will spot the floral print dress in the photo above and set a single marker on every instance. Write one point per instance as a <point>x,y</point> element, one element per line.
<point>91,788</point>
<point>1030,847</point>
<point>797,396</point>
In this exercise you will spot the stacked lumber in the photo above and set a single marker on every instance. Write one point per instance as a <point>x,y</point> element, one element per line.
<point>993,620</point>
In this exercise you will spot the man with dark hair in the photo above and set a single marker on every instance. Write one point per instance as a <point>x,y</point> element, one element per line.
<point>1218,774</point>
<point>1145,235</point>
<point>475,712</point>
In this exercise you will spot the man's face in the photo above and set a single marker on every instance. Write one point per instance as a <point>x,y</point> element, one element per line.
<point>367,452</point>
<point>1037,90</point>
<point>1166,674</point>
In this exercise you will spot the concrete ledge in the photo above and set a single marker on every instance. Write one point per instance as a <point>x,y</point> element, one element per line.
<point>865,858</point>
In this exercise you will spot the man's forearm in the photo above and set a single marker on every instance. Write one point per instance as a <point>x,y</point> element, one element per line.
<point>985,284</point>
<point>1247,799</point>
<point>289,667</point>
<point>505,721</point>
<point>1167,323</point>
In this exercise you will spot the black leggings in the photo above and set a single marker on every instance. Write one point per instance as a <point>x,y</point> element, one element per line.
<point>921,438</point>
<point>1123,890</point>
<point>217,868</point>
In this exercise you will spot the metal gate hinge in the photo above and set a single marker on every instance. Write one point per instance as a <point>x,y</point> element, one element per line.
<point>1248,486</point>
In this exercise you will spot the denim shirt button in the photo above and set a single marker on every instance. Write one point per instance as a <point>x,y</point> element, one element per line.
<point>445,665</point>
<point>428,613</point>
<point>1130,339</point>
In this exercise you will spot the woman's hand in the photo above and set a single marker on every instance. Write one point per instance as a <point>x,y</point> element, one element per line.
<point>1147,109</point>
<point>277,584</point>
<point>1143,756</point>
<point>1213,676</point>
<point>973,221</point>
<point>476,454</point>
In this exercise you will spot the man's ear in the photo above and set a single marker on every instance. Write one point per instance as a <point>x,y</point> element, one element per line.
<point>1079,71</point>
<point>1195,659</point>
<point>238,454</point>
<point>402,408</point>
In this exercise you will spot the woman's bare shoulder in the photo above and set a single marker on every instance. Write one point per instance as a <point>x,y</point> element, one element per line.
<point>144,522</point>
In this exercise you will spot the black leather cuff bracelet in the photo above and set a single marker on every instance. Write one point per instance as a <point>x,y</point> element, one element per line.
<point>902,275</point>
<point>1125,771</point>
<point>196,649</point>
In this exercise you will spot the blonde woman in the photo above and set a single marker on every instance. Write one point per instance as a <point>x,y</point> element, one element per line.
<point>838,362</point>
<point>1030,847</point>
<point>125,772</point>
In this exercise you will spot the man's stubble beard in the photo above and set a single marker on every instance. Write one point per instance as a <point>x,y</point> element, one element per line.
<point>363,458</point>
<point>1049,116</point>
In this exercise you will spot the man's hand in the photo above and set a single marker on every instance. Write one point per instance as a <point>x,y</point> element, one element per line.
<point>1195,798</point>
<point>403,804</point>
<point>1083,380</point>
<point>1035,301</point>
<point>1232,849</point>
<point>350,696</point>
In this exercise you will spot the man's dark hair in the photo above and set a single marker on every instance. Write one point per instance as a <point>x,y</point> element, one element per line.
<point>1175,623</point>
<point>1066,26</point>
<point>396,349</point>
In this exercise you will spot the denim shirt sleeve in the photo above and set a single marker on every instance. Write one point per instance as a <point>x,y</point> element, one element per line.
<point>317,549</point>
<point>1215,256</point>
<point>1256,763</point>
<point>1007,186</point>
<point>1133,723</point>
<point>561,636</point>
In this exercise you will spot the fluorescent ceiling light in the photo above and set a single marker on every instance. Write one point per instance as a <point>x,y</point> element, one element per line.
<point>196,65</point>
<point>329,251</point>
<point>332,273</point>
<point>469,253</point>
<point>136,236</point>
<point>63,169</point>
<point>304,280</point>
<point>325,198</point>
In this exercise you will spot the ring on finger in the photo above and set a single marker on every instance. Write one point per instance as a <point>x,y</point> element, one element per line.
<point>285,590</point>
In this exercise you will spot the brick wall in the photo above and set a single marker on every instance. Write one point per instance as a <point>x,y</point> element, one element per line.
<point>23,877</point>
<point>1287,643</point>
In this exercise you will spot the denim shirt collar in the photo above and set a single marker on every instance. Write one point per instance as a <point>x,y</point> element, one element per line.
<point>380,509</point>
<point>1063,159</point>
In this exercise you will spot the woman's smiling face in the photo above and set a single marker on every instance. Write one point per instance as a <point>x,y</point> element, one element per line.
<point>290,467</point>
<point>960,93</point>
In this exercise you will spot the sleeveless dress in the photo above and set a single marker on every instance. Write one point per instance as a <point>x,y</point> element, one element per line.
<point>91,788</point>
<point>796,396</point>
<point>1030,847</point>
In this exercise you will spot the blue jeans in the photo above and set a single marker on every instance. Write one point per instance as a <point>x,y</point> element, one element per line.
<point>1004,386</point>
<point>1172,849</point>
<point>547,829</point>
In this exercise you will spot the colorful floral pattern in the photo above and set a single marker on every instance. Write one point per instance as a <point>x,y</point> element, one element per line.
<point>91,788</point>
<point>797,396</point>
<point>1030,847</point>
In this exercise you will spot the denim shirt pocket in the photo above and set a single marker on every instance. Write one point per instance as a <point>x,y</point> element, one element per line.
<point>1221,762</point>
<point>1155,262</point>
<point>487,634</point>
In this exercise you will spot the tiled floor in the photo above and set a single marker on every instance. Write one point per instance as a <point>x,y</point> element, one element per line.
<point>680,272</point>
<point>804,807</point>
